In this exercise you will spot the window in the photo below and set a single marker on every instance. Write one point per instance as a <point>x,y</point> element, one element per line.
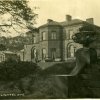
<point>53,53</point>
<point>43,53</point>
<point>43,35</point>
<point>53,36</point>
<point>71,34</point>
<point>71,51</point>
<point>34,39</point>
<point>67,34</point>
<point>33,53</point>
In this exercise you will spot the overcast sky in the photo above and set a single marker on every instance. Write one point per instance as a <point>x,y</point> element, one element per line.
<point>57,9</point>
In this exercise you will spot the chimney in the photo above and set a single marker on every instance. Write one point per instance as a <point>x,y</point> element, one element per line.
<point>90,20</point>
<point>49,20</point>
<point>68,18</point>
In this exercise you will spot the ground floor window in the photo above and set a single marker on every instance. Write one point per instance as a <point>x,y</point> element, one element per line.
<point>53,53</point>
<point>71,51</point>
<point>34,53</point>
<point>43,53</point>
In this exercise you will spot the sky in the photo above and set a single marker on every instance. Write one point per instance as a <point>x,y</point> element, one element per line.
<point>57,9</point>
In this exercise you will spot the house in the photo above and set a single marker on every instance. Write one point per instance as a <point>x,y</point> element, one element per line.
<point>7,55</point>
<point>54,40</point>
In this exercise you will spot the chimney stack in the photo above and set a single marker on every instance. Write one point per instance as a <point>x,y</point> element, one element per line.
<point>90,20</point>
<point>68,18</point>
<point>49,20</point>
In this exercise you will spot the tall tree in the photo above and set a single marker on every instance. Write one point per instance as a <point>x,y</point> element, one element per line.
<point>22,17</point>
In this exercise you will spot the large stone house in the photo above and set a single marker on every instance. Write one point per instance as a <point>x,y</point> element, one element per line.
<point>54,40</point>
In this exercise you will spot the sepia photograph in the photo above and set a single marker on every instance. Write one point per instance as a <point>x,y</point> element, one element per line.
<point>49,49</point>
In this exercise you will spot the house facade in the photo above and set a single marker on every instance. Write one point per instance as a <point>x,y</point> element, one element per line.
<point>54,40</point>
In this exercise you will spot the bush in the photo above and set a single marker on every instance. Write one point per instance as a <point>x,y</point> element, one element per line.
<point>13,70</point>
<point>86,35</point>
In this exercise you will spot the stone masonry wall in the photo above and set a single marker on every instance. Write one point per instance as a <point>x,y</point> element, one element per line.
<point>86,84</point>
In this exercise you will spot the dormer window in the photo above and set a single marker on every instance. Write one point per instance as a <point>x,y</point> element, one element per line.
<point>53,35</point>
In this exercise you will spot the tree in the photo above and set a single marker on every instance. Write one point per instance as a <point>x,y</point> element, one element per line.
<point>85,36</point>
<point>21,15</point>
<point>2,47</point>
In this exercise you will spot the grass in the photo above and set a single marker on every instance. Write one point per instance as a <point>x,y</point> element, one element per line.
<point>37,83</point>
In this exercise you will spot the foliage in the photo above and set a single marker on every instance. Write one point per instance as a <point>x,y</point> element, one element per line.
<point>86,35</point>
<point>2,47</point>
<point>18,8</point>
<point>21,14</point>
<point>13,70</point>
<point>15,43</point>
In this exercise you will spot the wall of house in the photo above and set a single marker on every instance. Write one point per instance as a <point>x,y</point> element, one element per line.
<point>55,43</point>
<point>43,44</point>
<point>49,43</point>
<point>27,52</point>
<point>67,40</point>
<point>21,55</point>
<point>61,43</point>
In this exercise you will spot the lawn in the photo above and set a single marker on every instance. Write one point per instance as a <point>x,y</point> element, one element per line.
<point>29,79</point>
<point>33,82</point>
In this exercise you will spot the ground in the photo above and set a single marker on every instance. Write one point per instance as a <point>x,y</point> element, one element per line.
<point>42,85</point>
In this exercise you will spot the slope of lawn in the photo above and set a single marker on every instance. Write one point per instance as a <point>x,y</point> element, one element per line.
<point>59,68</point>
<point>29,79</point>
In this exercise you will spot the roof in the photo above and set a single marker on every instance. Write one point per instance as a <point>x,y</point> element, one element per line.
<point>51,23</point>
<point>66,23</point>
<point>74,21</point>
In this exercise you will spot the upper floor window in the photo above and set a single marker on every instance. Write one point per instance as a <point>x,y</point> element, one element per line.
<point>71,34</point>
<point>43,35</point>
<point>34,39</point>
<point>53,35</point>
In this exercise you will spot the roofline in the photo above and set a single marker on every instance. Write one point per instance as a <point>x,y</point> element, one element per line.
<point>82,22</point>
<point>42,26</point>
<point>73,24</point>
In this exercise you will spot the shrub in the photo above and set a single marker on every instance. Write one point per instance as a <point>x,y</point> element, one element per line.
<point>13,70</point>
